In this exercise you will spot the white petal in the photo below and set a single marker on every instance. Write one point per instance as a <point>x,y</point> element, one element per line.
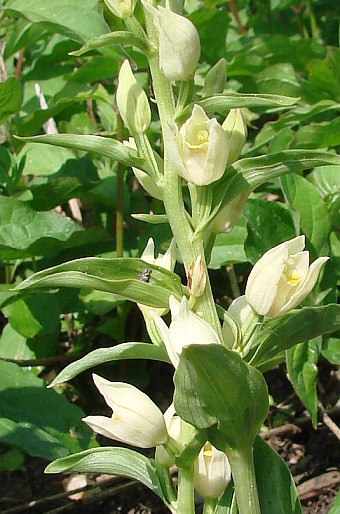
<point>307,286</point>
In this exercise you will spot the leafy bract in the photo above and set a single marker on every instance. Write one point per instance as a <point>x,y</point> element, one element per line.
<point>216,390</point>
<point>113,461</point>
<point>123,276</point>
<point>295,327</point>
<point>101,355</point>
<point>104,146</point>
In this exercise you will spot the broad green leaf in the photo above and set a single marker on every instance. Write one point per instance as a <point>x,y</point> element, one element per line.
<point>229,248</point>
<point>62,16</point>
<point>113,461</point>
<point>120,276</point>
<point>312,211</point>
<point>318,135</point>
<point>268,224</point>
<point>326,73</point>
<point>212,25</point>
<point>113,38</point>
<point>302,369</point>
<point>44,159</point>
<point>35,315</point>
<point>331,350</point>
<point>223,103</point>
<point>275,484</point>
<point>106,147</point>
<point>295,327</point>
<point>38,420</point>
<point>10,98</point>
<point>216,389</point>
<point>25,232</point>
<point>119,352</point>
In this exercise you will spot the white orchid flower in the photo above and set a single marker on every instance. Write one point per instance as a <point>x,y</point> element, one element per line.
<point>282,278</point>
<point>136,420</point>
<point>186,328</point>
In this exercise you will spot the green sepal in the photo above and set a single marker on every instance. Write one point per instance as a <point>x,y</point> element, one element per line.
<point>216,390</point>
<point>129,277</point>
<point>120,37</point>
<point>133,350</point>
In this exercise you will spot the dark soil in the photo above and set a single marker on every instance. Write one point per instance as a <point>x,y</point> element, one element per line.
<point>312,455</point>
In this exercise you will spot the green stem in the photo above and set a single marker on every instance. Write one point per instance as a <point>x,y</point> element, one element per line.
<point>209,506</point>
<point>119,199</point>
<point>185,498</point>
<point>243,471</point>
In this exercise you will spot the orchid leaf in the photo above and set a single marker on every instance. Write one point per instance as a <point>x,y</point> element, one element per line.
<point>131,278</point>
<point>103,146</point>
<point>216,390</point>
<point>113,38</point>
<point>292,328</point>
<point>113,461</point>
<point>121,351</point>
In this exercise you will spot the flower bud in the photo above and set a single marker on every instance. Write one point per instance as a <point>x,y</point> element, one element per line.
<point>199,150</point>
<point>236,131</point>
<point>136,420</point>
<point>132,101</point>
<point>282,278</point>
<point>179,43</point>
<point>215,79</point>
<point>239,310</point>
<point>185,328</point>
<point>151,185</point>
<point>212,472</point>
<point>197,278</point>
<point>121,8</point>
<point>228,214</point>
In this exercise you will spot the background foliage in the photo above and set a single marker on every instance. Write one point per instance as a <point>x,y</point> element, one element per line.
<point>59,204</point>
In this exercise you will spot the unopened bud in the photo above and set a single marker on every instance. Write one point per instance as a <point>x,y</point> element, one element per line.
<point>132,101</point>
<point>197,278</point>
<point>215,79</point>
<point>179,43</point>
<point>236,131</point>
<point>121,8</point>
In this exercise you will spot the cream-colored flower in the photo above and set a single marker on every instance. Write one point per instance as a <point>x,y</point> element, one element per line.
<point>186,328</point>
<point>239,310</point>
<point>151,185</point>
<point>136,420</point>
<point>132,102</point>
<point>282,278</point>
<point>199,149</point>
<point>212,472</point>
<point>179,43</point>
<point>236,131</point>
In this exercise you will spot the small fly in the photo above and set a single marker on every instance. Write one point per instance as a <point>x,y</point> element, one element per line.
<point>144,276</point>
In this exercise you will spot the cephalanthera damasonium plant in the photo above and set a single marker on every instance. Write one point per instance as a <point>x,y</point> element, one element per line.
<point>210,430</point>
